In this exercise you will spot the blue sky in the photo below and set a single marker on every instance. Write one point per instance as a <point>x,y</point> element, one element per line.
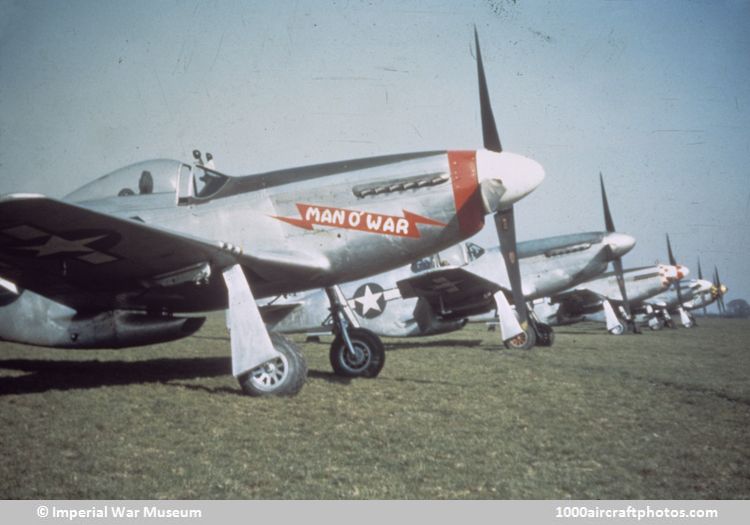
<point>655,95</point>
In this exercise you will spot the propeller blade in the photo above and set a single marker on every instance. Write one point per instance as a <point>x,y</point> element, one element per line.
<point>721,293</point>
<point>506,234</point>
<point>673,262</point>
<point>700,276</point>
<point>489,129</point>
<point>617,263</point>
<point>610,225</point>
<point>504,219</point>
<point>717,284</point>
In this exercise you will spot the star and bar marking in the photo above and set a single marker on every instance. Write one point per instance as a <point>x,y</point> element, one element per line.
<point>47,244</point>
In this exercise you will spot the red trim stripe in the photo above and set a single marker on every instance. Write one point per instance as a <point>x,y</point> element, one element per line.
<point>469,208</point>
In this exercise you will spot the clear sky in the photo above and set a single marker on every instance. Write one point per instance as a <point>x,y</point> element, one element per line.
<point>655,95</point>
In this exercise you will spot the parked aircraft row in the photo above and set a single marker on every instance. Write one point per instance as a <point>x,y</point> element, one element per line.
<point>563,281</point>
<point>134,258</point>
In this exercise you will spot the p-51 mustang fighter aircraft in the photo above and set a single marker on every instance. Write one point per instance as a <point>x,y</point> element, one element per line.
<point>440,293</point>
<point>594,299</point>
<point>118,261</point>
<point>703,292</point>
<point>718,290</point>
<point>627,289</point>
<point>657,310</point>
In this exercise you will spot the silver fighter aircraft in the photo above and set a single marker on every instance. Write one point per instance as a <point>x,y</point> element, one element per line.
<point>440,293</point>
<point>657,310</point>
<point>597,299</point>
<point>117,262</point>
<point>708,292</point>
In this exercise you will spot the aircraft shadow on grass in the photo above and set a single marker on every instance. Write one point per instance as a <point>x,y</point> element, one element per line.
<point>431,344</point>
<point>45,375</point>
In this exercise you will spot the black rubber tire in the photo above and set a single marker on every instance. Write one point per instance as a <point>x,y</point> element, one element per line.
<point>369,361</point>
<point>546,336</point>
<point>284,376</point>
<point>524,341</point>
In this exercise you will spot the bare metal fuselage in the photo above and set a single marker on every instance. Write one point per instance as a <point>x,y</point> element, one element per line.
<point>548,266</point>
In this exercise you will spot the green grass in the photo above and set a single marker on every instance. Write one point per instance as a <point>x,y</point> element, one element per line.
<point>662,415</point>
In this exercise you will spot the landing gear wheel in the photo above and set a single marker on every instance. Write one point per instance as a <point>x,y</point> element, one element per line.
<point>617,330</point>
<point>368,358</point>
<point>283,376</point>
<point>655,326</point>
<point>523,341</point>
<point>546,336</point>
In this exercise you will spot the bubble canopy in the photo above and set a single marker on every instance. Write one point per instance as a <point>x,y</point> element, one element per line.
<point>151,177</point>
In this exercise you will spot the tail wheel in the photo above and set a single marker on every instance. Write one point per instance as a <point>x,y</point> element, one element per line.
<point>282,376</point>
<point>523,341</point>
<point>368,357</point>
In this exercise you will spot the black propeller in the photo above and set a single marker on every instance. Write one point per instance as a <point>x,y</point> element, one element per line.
<point>673,262</point>
<point>504,219</point>
<point>617,262</point>
<point>700,276</point>
<point>720,296</point>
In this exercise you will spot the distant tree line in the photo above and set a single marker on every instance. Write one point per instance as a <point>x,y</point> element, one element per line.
<point>738,308</point>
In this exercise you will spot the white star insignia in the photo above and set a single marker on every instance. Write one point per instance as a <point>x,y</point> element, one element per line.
<point>369,301</point>
<point>56,244</point>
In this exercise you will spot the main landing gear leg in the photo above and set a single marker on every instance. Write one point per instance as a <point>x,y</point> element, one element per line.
<point>630,321</point>
<point>685,318</point>
<point>513,334</point>
<point>264,363</point>
<point>355,351</point>
<point>614,326</point>
<point>654,323</point>
<point>667,317</point>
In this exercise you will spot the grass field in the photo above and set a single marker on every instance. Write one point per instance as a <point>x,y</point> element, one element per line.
<point>662,415</point>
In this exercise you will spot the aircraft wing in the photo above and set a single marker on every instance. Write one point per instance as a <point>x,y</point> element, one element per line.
<point>452,291</point>
<point>578,301</point>
<point>87,259</point>
<point>77,256</point>
<point>272,312</point>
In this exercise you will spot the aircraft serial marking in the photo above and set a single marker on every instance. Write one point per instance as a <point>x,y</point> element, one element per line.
<point>405,226</point>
